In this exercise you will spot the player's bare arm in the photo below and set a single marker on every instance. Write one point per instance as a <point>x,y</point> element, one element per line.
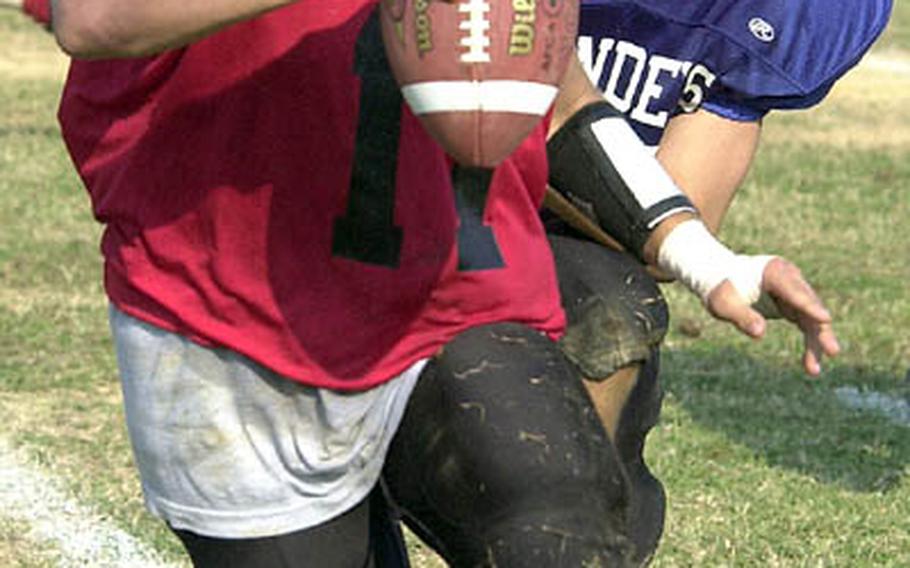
<point>131,28</point>
<point>708,156</point>
<point>657,222</point>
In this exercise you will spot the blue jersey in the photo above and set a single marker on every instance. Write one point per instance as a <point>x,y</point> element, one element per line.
<point>656,58</point>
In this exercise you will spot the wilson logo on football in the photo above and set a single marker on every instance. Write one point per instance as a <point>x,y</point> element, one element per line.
<point>521,39</point>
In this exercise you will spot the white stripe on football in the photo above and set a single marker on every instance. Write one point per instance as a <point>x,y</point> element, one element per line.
<point>522,97</point>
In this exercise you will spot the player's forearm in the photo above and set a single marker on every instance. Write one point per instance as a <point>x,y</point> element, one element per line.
<point>708,156</point>
<point>656,239</point>
<point>130,28</point>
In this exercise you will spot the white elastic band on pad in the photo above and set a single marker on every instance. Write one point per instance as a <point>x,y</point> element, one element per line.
<point>647,181</point>
<point>701,262</point>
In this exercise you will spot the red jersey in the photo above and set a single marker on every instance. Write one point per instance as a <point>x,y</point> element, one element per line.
<point>266,190</point>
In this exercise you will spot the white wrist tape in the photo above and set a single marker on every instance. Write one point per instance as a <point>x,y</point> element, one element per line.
<point>701,262</point>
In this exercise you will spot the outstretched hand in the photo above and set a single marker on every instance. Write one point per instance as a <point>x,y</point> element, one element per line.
<point>796,301</point>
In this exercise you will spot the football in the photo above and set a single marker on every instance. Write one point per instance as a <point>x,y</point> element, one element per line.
<point>479,74</point>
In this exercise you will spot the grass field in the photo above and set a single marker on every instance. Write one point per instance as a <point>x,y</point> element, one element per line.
<point>763,467</point>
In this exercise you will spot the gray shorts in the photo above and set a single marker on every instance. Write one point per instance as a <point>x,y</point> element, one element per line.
<point>227,448</point>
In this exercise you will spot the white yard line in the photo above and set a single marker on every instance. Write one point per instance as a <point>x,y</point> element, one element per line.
<point>83,537</point>
<point>895,408</point>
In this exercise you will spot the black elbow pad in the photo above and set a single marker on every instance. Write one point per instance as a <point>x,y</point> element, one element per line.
<point>600,165</point>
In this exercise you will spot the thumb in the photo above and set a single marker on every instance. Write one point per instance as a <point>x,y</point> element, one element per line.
<point>726,303</point>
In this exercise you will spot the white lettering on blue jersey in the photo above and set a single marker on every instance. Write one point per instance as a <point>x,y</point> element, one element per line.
<point>698,83</point>
<point>653,89</point>
<point>638,83</point>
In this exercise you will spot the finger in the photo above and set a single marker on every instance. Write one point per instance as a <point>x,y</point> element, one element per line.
<point>824,340</point>
<point>828,340</point>
<point>725,303</point>
<point>793,294</point>
<point>819,341</point>
<point>798,302</point>
<point>812,359</point>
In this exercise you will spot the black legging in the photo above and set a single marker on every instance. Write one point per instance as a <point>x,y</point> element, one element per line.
<point>501,459</point>
<point>364,537</point>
